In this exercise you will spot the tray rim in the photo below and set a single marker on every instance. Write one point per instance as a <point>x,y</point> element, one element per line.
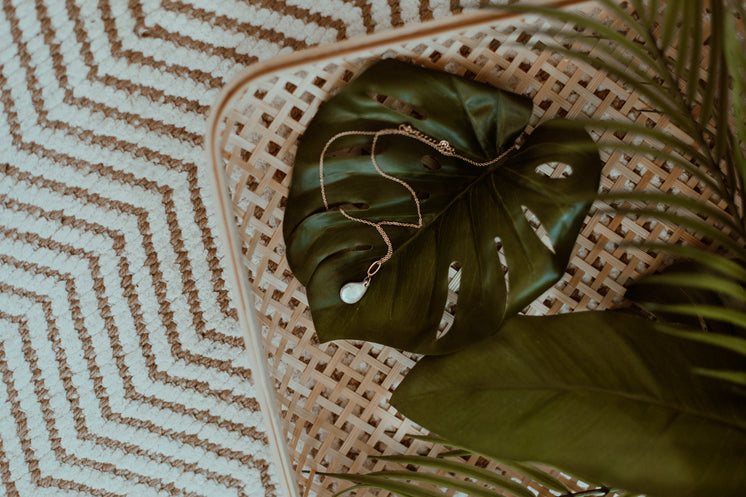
<point>243,297</point>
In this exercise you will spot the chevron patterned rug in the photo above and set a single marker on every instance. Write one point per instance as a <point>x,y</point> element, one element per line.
<point>122,367</point>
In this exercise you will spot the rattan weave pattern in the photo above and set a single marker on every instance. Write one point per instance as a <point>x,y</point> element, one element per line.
<point>333,397</point>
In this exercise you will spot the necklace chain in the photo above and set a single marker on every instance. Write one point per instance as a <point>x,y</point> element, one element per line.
<point>442,146</point>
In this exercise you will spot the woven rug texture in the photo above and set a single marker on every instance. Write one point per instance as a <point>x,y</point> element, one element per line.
<point>122,367</point>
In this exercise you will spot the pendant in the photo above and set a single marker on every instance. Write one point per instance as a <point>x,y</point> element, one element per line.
<point>353,291</point>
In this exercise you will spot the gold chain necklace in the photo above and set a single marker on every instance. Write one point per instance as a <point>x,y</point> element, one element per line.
<point>353,291</point>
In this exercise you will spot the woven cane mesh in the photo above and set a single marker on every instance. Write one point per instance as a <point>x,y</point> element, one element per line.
<point>333,397</point>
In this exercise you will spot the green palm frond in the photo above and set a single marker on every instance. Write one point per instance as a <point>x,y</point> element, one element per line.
<point>735,60</point>
<point>456,475</point>
<point>692,205</point>
<point>467,470</point>
<point>695,101</point>
<point>381,478</point>
<point>716,262</point>
<point>669,21</point>
<point>694,224</point>
<point>726,342</point>
<point>711,282</point>
<point>659,55</point>
<point>527,469</point>
<point>734,344</point>
<point>539,476</point>
<point>715,312</point>
<point>654,138</point>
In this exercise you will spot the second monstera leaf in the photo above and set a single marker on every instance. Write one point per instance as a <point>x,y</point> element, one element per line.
<point>468,211</point>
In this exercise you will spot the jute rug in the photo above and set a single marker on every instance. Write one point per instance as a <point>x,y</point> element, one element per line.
<point>122,367</point>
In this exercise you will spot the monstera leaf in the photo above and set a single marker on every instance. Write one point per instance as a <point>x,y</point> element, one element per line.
<point>695,295</point>
<point>467,210</point>
<point>606,396</point>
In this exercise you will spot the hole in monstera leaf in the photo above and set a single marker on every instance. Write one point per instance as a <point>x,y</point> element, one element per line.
<point>538,228</point>
<point>554,170</point>
<point>503,263</point>
<point>449,310</point>
<point>430,162</point>
<point>399,105</point>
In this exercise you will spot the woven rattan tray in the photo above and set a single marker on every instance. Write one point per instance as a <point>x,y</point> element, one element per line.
<point>326,404</point>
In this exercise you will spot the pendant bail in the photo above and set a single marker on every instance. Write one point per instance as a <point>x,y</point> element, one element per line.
<point>373,269</point>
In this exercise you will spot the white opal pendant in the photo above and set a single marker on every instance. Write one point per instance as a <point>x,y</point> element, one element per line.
<point>353,291</point>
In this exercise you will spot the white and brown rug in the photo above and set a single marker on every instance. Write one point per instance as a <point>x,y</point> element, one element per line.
<point>121,364</point>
